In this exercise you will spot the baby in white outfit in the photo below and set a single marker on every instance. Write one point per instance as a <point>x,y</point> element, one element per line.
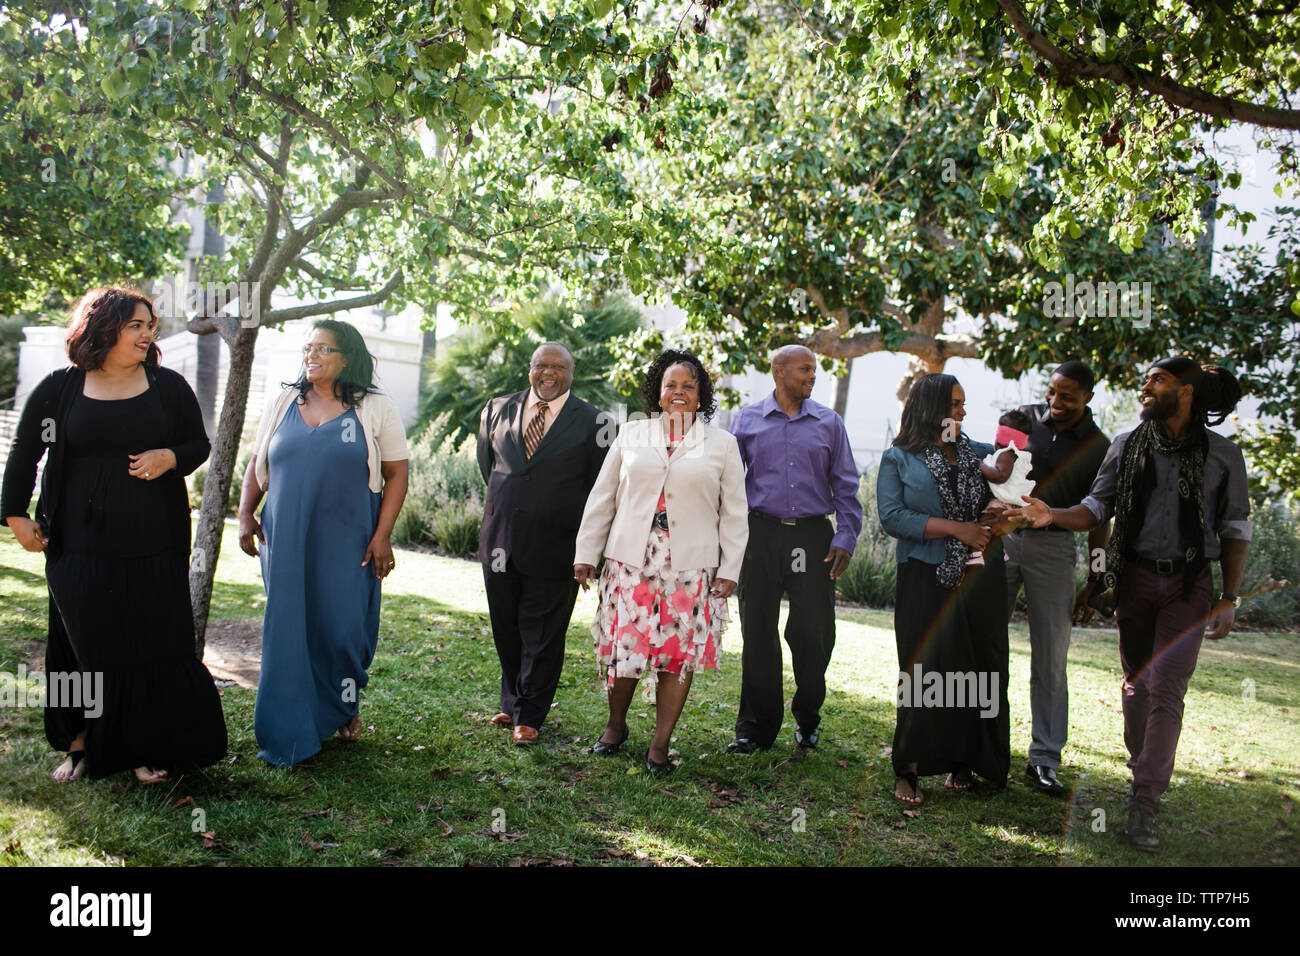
<point>1007,468</point>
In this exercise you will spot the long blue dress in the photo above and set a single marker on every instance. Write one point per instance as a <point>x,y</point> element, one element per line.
<point>322,606</point>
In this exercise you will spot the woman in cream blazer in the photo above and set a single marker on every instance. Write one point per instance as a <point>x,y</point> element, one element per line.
<point>670,516</point>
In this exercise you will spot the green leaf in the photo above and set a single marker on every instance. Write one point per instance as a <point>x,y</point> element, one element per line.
<point>114,85</point>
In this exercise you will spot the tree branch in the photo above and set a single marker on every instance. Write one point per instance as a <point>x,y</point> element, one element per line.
<point>271,228</point>
<point>302,265</point>
<point>277,316</point>
<point>1070,67</point>
<point>227,326</point>
<point>937,348</point>
<point>316,121</point>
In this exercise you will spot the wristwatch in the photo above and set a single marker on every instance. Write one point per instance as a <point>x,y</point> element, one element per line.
<point>1234,598</point>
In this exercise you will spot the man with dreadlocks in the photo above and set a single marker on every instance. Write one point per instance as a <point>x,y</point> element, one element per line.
<point>1178,494</point>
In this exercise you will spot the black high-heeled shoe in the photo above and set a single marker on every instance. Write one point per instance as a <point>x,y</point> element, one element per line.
<point>654,767</point>
<point>608,750</point>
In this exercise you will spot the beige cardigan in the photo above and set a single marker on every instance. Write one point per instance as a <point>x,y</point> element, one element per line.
<point>380,423</point>
<point>704,489</point>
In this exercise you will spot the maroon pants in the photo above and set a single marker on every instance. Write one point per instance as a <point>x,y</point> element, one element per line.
<point>1159,638</point>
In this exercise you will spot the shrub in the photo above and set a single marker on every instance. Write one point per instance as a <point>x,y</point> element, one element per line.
<point>444,499</point>
<point>479,363</point>
<point>872,573</point>
<point>1273,556</point>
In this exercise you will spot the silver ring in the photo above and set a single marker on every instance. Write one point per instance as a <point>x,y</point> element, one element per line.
<point>146,474</point>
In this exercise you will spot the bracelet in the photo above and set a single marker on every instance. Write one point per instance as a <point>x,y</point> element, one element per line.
<point>1234,598</point>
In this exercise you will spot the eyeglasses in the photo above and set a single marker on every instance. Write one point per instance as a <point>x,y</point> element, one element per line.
<point>320,350</point>
<point>541,367</point>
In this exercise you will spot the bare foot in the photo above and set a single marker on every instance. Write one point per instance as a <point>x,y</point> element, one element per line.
<point>352,729</point>
<point>959,780</point>
<point>147,776</point>
<point>71,767</point>
<point>907,791</point>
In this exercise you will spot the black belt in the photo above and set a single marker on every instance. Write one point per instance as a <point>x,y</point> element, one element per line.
<point>791,522</point>
<point>1161,565</point>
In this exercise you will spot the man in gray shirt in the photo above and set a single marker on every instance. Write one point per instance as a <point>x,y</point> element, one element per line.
<point>1178,494</point>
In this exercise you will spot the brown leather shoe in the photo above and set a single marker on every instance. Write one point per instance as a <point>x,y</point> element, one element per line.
<point>502,720</point>
<point>525,735</point>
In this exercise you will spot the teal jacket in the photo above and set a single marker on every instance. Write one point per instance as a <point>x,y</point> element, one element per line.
<point>906,498</point>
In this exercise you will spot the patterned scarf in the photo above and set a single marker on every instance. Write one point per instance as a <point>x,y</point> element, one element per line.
<point>963,492</point>
<point>1136,482</point>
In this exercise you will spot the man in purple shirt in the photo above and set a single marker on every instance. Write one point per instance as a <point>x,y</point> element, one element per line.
<point>798,469</point>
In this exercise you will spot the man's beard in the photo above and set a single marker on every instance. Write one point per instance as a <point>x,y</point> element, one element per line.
<point>1162,408</point>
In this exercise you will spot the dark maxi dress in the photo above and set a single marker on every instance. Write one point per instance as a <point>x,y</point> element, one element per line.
<point>963,631</point>
<point>121,589</point>
<point>322,607</point>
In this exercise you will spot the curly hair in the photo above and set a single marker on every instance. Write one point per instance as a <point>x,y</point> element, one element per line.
<point>654,379</point>
<point>97,321</point>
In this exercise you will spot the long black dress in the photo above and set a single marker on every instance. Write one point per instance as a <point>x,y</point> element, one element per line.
<point>120,586</point>
<point>944,632</point>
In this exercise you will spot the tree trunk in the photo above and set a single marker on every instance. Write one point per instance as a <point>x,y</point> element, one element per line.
<point>216,488</point>
<point>928,361</point>
<point>208,351</point>
<point>208,347</point>
<point>840,390</point>
<point>428,355</point>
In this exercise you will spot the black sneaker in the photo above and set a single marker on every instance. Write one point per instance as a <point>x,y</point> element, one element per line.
<point>1142,831</point>
<point>741,745</point>
<point>807,740</point>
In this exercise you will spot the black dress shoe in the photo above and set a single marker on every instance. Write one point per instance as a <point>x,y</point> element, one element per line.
<point>807,740</point>
<point>608,750</point>
<point>741,745</point>
<point>1043,779</point>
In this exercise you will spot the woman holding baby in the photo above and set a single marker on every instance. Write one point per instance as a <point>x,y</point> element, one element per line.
<point>950,620</point>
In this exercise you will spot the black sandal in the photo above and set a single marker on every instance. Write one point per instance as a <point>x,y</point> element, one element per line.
<point>76,756</point>
<point>608,750</point>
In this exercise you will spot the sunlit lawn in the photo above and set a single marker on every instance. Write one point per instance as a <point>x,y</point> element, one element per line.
<point>432,782</point>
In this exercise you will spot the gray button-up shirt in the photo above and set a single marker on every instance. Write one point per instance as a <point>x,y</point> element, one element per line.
<point>1227,509</point>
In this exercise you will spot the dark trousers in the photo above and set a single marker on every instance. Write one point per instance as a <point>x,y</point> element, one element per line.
<point>784,560</point>
<point>529,617</point>
<point>1159,639</point>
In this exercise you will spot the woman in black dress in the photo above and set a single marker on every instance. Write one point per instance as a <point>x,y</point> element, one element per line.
<point>950,619</point>
<point>113,520</point>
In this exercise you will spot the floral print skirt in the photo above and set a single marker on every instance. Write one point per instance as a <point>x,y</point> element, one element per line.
<point>656,618</point>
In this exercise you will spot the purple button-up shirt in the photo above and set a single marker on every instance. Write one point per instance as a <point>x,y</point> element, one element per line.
<point>800,467</point>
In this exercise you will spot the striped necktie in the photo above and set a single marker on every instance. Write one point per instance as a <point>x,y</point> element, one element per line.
<point>536,428</point>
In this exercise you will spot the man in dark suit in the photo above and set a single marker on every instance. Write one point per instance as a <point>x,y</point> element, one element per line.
<point>540,451</point>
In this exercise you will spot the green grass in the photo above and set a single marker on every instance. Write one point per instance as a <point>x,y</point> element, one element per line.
<point>432,778</point>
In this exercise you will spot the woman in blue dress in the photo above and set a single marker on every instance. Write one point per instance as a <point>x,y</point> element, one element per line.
<point>331,460</point>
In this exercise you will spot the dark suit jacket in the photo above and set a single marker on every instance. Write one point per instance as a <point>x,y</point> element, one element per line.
<point>534,505</point>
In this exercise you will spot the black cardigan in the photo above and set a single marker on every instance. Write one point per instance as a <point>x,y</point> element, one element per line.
<point>48,405</point>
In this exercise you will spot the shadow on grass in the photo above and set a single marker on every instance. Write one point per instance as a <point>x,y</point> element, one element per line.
<point>431,781</point>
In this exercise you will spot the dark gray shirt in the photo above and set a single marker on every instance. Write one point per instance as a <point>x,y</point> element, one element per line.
<point>1227,509</point>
